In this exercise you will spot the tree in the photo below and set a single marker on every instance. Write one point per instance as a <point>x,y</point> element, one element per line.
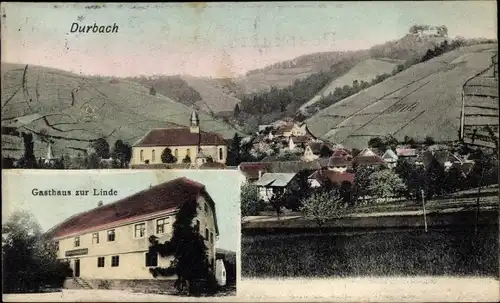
<point>236,111</point>
<point>251,204</point>
<point>187,159</point>
<point>377,143</point>
<point>92,161</point>
<point>386,183</point>
<point>362,180</point>
<point>122,151</point>
<point>190,254</point>
<point>29,257</point>
<point>167,157</point>
<point>410,141</point>
<point>152,91</point>
<point>28,160</point>
<point>436,178</point>
<point>322,206</point>
<point>101,147</point>
<point>429,141</point>
<point>405,171</point>
<point>233,154</point>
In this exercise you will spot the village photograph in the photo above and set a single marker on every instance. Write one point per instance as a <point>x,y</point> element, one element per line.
<point>166,235</point>
<point>361,137</point>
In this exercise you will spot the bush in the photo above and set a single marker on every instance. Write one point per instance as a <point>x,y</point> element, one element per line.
<point>104,284</point>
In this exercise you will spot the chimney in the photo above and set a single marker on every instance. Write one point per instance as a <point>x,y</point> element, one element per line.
<point>99,204</point>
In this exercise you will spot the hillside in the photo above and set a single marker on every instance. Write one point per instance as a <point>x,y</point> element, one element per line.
<point>366,70</point>
<point>213,98</point>
<point>423,100</point>
<point>75,109</point>
<point>285,73</point>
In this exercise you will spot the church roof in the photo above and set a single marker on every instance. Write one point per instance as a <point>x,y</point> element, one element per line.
<point>179,137</point>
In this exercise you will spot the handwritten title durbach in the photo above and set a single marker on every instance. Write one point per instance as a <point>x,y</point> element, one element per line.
<point>101,29</point>
<point>78,192</point>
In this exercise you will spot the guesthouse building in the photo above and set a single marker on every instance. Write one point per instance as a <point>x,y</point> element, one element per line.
<point>111,242</point>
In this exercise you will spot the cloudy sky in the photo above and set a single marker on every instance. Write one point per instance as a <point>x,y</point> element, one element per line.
<point>218,39</point>
<point>17,186</point>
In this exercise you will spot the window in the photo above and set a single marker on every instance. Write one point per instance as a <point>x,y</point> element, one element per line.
<point>115,261</point>
<point>151,259</point>
<point>153,155</point>
<point>198,225</point>
<point>77,241</point>
<point>221,154</point>
<point>142,155</point>
<point>140,230</point>
<point>188,153</point>
<point>111,235</point>
<point>95,238</point>
<point>176,153</point>
<point>206,234</point>
<point>100,262</point>
<point>206,208</point>
<point>56,245</point>
<point>212,237</point>
<point>161,225</point>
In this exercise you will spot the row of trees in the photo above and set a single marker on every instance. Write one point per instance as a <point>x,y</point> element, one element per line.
<point>120,154</point>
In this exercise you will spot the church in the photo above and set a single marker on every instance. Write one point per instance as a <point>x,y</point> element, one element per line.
<point>186,145</point>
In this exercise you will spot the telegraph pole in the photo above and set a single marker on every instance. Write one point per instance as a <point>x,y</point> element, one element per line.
<point>423,206</point>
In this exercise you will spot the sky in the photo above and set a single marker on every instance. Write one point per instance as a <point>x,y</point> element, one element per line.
<point>218,39</point>
<point>17,186</point>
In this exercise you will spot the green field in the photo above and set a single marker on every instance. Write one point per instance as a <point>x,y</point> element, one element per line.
<point>453,252</point>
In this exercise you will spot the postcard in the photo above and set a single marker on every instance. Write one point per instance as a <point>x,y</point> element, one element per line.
<point>343,151</point>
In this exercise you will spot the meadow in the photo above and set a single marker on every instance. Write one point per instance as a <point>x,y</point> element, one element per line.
<point>438,252</point>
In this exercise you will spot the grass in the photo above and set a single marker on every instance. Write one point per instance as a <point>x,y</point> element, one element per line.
<point>456,252</point>
<point>435,86</point>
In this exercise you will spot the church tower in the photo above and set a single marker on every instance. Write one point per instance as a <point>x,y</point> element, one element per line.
<point>195,127</point>
<point>195,123</point>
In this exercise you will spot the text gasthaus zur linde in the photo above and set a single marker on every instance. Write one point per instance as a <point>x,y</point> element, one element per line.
<point>78,192</point>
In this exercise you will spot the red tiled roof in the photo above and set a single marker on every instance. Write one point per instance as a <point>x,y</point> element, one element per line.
<point>301,139</point>
<point>368,160</point>
<point>332,177</point>
<point>340,161</point>
<point>163,197</point>
<point>179,137</point>
<point>251,170</point>
<point>285,128</point>
<point>340,152</point>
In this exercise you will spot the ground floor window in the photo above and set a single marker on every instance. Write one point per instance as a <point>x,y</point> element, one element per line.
<point>151,259</point>
<point>115,261</point>
<point>100,262</point>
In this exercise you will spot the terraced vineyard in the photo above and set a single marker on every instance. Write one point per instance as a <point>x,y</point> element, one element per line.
<point>479,124</point>
<point>423,100</point>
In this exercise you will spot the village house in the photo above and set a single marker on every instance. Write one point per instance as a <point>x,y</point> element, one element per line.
<point>110,242</point>
<point>329,177</point>
<point>408,154</point>
<point>390,158</point>
<point>367,157</point>
<point>184,143</point>
<point>447,160</point>
<point>271,184</point>
<point>316,150</point>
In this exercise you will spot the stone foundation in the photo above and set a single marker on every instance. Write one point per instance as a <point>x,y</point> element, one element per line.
<point>139,285</point>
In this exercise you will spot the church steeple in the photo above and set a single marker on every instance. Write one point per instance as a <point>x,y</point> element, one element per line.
<point>194,122</point>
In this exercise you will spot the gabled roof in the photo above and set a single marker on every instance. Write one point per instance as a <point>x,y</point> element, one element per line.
<point>324,176</point>
<point>406,152</point>
<point>300,139</point>
<point>168,196</point>
<point>275,179</point>
<point>181,136</point>
<point>251,169</point>
<point>339,161</point>
<point>389,154</point>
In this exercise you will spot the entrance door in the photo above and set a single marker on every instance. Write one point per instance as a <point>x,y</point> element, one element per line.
<point>77,267</point>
